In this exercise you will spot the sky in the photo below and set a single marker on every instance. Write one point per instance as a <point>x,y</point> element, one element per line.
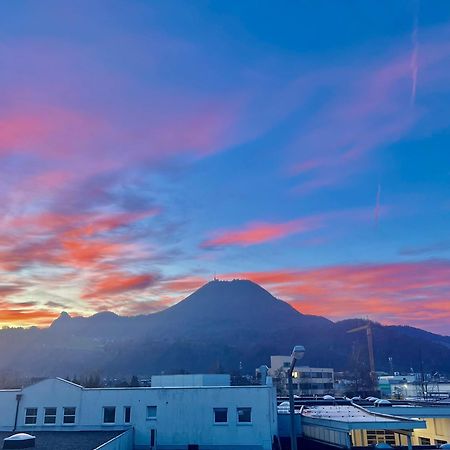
<point>148,146</point>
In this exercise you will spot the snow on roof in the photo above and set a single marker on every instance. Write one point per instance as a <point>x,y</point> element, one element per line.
<point>345,413</point>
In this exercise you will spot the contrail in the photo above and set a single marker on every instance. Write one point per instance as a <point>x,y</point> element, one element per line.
<point>415,52</point>
<point>377,205</point>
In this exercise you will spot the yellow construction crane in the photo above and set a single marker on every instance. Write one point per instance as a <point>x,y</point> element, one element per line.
<point>368,328</point>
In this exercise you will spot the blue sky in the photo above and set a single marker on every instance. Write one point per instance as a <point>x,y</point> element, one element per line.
<point>147,146</point>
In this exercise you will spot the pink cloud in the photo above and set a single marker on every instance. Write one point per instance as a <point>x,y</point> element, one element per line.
<point>117,283</point>
<point>260,232</point>
<point>46,131</point>
<point>254,233</point>
<point>415,293</point>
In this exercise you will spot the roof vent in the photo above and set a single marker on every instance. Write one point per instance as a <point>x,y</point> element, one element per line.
<point>19,440</point>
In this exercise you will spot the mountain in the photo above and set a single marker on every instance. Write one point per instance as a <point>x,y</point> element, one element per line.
<point>221,325</point>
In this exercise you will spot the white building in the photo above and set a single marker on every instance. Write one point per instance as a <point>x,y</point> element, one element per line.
<point>410,386</point>
<point>212,417</point>
<point>307,380</point>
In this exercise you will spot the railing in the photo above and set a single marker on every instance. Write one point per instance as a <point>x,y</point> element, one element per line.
<point>124,441</point>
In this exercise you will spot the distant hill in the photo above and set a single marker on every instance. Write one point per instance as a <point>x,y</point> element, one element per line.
<point>222,325</point>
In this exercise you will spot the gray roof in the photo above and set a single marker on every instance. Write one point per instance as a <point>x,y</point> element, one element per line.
<point>67,440</point>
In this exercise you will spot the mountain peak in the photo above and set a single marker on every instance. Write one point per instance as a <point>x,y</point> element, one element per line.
<point>61,320</point>
<point>232,301</point>
<point>234,291</point>
<point>104,315</point>
<point>64,316</point>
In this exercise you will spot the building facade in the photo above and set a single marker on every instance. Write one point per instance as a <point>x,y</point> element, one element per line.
<point>306,380</point>
<point>436,416</point>
<point>212,417</point>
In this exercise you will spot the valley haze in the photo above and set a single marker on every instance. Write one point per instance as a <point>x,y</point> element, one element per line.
<point>225,325</point>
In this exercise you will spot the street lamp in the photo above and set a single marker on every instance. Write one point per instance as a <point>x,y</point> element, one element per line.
<point>297,354</point>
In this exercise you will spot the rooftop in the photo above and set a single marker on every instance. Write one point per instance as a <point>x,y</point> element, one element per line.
<point>68,440</point>
<point>344,413</point>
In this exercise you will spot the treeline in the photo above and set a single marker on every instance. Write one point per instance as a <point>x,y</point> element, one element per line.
<point>96,381</point>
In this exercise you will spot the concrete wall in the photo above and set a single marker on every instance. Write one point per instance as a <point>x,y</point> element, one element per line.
<point>8,409</point>
<point>184,415</point>
<point>191,380</point>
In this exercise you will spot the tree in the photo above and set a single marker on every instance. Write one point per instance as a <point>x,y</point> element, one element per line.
<point>134,382</point>
<point>280,378</point>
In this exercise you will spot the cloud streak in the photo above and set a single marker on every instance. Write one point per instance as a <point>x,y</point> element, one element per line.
<point>415,52</point>
<point>377,205</point>
<point>367,109</point>
<point>260,232</point>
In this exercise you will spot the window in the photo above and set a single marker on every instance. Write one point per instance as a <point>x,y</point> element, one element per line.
<point>220,415</point>
<point>69,415</point>
<point>49,416</point>
<point>30,416</point>
<point>109,414</point>
<point>439,442</point>
<point>378,436</point>
<point>151,412</point>
<point>127,414</point>
<point>424,441</point>
<point>244,415</point>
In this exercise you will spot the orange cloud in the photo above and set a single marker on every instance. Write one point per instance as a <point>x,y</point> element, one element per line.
<point>69,240</point>
<point>23,317</point>
<point>118,283</point>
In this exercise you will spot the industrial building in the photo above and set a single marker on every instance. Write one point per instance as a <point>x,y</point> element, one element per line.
<point>413,386</point>
<point>307,380</point>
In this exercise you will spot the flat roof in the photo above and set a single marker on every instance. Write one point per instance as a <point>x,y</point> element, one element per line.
<point>353,417</point>
<point>342,413</point>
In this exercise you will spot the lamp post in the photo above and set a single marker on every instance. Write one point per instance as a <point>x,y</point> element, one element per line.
<point>297,354</point>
